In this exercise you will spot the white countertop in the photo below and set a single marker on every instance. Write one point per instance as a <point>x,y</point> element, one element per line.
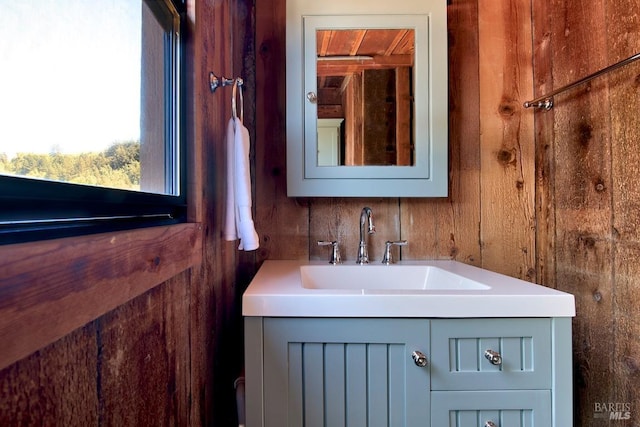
<point>277,291</point>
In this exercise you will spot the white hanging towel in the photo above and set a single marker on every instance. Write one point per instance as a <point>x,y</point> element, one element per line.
<point>238,221</point>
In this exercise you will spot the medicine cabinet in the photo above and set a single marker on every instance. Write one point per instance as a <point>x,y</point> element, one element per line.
<point>367,98</point>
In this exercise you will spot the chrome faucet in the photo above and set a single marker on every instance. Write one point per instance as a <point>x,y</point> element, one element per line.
<point>366,216</point>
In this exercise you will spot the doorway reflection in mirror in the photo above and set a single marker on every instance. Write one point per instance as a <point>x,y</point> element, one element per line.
<point>365,97</point>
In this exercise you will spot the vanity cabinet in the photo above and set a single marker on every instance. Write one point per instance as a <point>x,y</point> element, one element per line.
<point>369,372</point>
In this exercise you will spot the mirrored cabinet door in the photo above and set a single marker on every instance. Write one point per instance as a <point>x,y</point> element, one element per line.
<point>366,99</point>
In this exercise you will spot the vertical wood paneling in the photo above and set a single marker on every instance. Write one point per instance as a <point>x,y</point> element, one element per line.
<point>545,154</point>
<point>590,191</point>
<point>339,219</point>
<point>143,360</point>
<point>582,156</point>
<point>129,367</point>
<point>54,386</point>
<point>626,366</point>
<point>282,222</point>
<point>623,41</point>
<point>220,46</point>
<point>450,228</point>
<point>506,141</point>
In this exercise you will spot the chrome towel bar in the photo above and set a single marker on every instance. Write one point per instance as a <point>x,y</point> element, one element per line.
<point>546,102</point>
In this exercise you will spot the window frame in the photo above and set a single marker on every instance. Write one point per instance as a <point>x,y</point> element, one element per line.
<point>76,280</point>
<point>34,210</point>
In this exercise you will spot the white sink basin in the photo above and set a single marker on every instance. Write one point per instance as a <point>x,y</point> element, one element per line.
<point>407,289</point>
<point>389,277</point>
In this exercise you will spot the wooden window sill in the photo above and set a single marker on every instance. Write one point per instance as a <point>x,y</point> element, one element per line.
<point>50,288</point>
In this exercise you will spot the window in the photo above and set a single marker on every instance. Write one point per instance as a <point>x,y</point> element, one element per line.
<point>90,117</point>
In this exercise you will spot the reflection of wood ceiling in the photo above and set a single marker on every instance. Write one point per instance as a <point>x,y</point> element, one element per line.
<point>371,48</point>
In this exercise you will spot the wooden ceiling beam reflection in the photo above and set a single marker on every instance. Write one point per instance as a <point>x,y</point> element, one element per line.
<point>357,41</point>
<point>349,66</point>
<point>402,35</point>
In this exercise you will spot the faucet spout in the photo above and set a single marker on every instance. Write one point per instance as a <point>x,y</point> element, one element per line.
<point>366,218</point>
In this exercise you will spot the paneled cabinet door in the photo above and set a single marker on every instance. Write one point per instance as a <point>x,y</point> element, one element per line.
<point>345,372</point>
<point>513,408</point>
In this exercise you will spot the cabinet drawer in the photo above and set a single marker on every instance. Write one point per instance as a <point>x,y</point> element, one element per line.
<point>458,349</point>
<point>517,408</point>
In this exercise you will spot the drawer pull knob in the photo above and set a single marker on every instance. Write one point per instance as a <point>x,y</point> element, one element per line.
<point>419,359</point>
<point>490,424</point>
<point>493,357</point>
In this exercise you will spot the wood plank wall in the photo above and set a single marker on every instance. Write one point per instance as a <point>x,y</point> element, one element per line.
<point>487,220</point>
<point>590,145</point>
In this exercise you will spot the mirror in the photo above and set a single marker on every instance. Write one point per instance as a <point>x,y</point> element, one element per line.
<point>367,98</point>
<point>364,80</point>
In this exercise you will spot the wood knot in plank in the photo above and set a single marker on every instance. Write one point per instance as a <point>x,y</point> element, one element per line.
<point>506,156</point>
<point>507,108</point>
<point>453,249</point>
<point>155,262</point>
<point>599,185</point>
<point>632,365</point>
<point>587,241</point>
<point>265,48</point>
<point>531,274</point>
<point>585,133</point>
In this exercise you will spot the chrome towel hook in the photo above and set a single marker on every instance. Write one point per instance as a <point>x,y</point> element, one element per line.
<point>215,82</point>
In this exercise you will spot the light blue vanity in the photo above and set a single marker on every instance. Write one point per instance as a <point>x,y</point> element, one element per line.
<point>434,343</point>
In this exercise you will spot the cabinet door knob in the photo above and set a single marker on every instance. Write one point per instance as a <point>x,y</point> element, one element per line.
<point>493,357</point>
<point>490,424</point>
<point>419,359</point>
<point>312,97</point>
